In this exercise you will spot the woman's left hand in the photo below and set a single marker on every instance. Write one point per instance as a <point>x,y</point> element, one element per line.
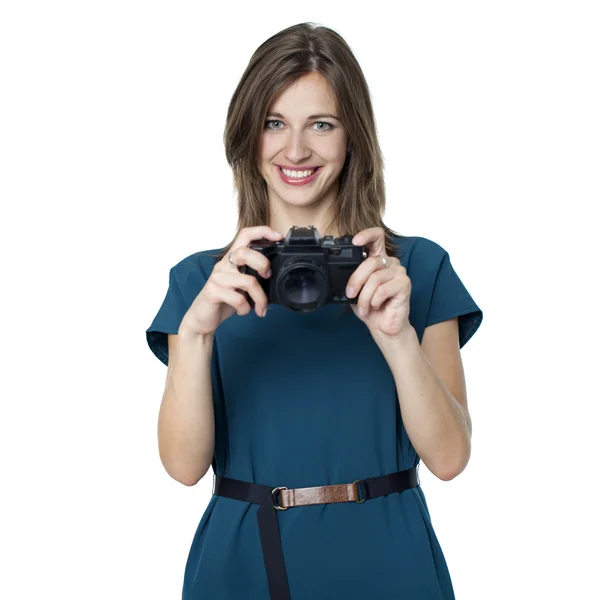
<point>382,286</point>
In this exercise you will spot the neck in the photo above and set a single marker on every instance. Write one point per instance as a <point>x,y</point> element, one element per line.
<point>283,216</point>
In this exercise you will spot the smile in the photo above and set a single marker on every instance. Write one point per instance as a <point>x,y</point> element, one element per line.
<point>298,177</point>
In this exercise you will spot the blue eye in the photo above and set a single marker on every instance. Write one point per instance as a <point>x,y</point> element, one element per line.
<point>267,124</point>
<point>329,125</point>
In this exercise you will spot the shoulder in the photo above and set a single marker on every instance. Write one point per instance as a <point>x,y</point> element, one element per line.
<point>418,254</point>
<point>198,265</point>
<point>191,272</point>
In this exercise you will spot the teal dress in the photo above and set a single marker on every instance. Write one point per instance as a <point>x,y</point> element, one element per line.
<point>303,400</point>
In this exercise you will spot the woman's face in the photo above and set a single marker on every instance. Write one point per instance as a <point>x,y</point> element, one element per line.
<point>302,131</point>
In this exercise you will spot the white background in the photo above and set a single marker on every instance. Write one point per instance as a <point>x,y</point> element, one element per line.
<point>112,169</point>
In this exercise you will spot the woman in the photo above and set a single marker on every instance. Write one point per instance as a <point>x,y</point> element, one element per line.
<point>314,423</point>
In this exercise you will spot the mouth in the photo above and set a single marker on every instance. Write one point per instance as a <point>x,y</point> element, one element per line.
<point>296,178</point>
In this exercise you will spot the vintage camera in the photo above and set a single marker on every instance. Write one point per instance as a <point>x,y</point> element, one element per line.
<point>307,270</point>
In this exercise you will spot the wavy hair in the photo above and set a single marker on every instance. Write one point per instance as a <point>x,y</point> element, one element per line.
<point>276,64</point>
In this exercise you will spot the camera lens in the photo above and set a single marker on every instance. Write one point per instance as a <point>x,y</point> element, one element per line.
<point>303,287</point>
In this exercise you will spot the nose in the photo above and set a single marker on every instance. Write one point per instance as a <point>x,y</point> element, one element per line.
<point>297,150</point>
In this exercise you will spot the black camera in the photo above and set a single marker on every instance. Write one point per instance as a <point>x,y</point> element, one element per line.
<point>307,270</point>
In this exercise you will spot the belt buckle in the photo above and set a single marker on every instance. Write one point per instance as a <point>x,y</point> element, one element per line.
<point>274,503</point>
<point>357,492</point>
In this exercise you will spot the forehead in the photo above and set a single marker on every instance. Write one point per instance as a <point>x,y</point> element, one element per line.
<point>311,94</point>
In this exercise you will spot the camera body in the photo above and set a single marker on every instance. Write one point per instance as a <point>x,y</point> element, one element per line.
<point>307,270</point>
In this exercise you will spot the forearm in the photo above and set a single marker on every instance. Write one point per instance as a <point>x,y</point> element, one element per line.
<point>436,423</point>
<point>186,428</point>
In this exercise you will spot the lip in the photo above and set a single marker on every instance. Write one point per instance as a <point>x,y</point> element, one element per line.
<point>305,168</point>
<point>304,180</point>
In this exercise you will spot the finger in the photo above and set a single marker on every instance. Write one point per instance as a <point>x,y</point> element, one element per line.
<point>218,294</point>
<point>236,300</point>
<point>251,234</point>
<point>252,258</point>
<point>362,273</point>
<point>373,283</point>
<point>386,290</point>
<point>235,280</point>
<point>373,238</point>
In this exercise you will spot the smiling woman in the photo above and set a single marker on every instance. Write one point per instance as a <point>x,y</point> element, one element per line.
<point>300,160</point>
<point>326,412</point>
<point>303,103</point>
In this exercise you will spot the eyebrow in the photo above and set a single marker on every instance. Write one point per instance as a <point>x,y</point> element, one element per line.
<point>321,116</point>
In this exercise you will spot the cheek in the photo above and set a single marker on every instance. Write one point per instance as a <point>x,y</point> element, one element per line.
<point>266,148</point>
<point>334,149</point>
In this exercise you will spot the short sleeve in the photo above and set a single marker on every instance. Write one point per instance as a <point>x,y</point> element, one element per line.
<point>450,299</point>
<point>167,319</point>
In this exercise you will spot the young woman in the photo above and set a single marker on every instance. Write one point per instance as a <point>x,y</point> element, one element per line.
<point>314,422</point>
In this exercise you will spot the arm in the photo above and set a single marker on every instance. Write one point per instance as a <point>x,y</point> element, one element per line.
<point>186,430</point>
<point>432,395</point>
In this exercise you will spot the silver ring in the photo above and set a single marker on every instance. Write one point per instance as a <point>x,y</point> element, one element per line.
<point>384,259</point>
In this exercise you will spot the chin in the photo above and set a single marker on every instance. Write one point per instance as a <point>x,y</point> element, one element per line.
<point>295,201</point>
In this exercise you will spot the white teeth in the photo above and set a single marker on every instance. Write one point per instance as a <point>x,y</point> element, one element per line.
<point>298,174</point>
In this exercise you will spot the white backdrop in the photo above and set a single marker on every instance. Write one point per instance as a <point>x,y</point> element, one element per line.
<point>112,169</point>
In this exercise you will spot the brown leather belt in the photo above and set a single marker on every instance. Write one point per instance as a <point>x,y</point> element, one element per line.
<point>358,491</point>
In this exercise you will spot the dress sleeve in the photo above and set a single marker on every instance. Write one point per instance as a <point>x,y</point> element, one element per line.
<point>450,299</point>
<point>167,320</point>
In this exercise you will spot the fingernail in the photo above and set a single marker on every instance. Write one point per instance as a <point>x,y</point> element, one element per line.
<point>361,311</point>
<point>350,292</point>
<point>268,273</point>
<point>358,240</point>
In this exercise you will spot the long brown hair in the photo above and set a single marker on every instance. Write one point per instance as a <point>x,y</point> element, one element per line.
<point>277,63</point>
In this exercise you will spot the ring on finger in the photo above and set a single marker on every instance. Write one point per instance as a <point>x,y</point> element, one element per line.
<point>229,257</point>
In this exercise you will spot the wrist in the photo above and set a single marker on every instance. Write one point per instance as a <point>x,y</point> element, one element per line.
<point>190,331</point>
<point>404,338</point>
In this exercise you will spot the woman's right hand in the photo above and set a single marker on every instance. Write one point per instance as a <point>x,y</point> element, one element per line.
<point>220,298</point>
